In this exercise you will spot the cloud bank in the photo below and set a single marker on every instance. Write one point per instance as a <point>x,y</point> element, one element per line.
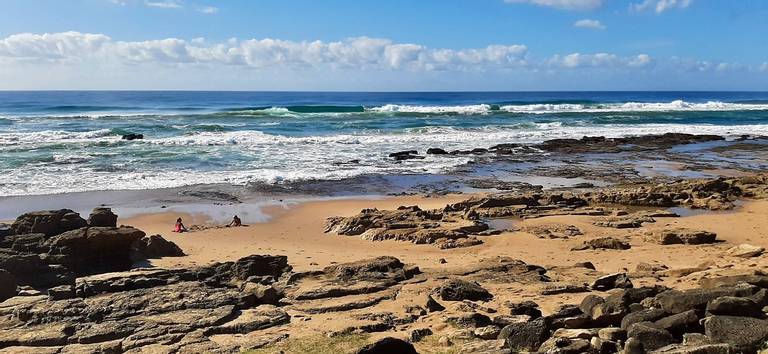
<point>563,4</point>
<point>92,60</point>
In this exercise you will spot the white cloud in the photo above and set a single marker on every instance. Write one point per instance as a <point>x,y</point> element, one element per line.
<point>764,67</point>
<point>210,10</point>
<point>599,60</point>
<point>660,6</point>
<point>591,24</point>
<point>563,4</point>
<point>361,52</point>
<point>168,4</point>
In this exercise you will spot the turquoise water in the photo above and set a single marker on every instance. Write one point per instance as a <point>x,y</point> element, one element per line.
<point>54,142</point>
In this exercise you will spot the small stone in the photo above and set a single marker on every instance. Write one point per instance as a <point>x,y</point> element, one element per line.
<point>745,251</point>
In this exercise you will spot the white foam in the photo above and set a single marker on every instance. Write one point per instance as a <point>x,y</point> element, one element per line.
<point>674,106</point>
<point>470,109</point>
<point>54,136</point>
<point>275,159</point>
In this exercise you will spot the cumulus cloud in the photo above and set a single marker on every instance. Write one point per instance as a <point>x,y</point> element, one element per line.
<point>659,6</point>
<point>361,52</point>
<point>591,24</point>
<point>168,4</point>
<point>563,4</point>
<point>598,60</point>
<point>209,10</point>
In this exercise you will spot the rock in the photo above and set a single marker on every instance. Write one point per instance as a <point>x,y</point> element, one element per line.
<point>626,222</point>
<point>487,332</point>
<point>432,305</point>
<point>458,290</point>
<point>556,345</point>
<point>132,136</point>
<point>680,323</point>
<point>529,308</point>
<point>264,294</point>
<point>103,217</point>
<point>722,348</point>
<point>607,243</point>
<point>731,280</point>
<point>745,333</point>
<point>155,246</point>
<point>406,155</point>
<point>652,338</point>
<point>745,251</point>
<point>676,301</point>
<point>734,306</point>
<point>91,250</point>
<point>61,292</point>
<point>444,342</point>
<point>419,334</point>
<point>612,334</point>
<point>643,267</point>
<point>7,285</point>
<point>587,265</point>
<point>5,230</point>
<point>611,281</point>
<point>646,315</point>
<point>681,236</point>
<point>388,345</point>
<point>633,346</point>
<point>525,335</point>
<point>50,222</point>
<point>469,320</point>
<point>436,151</point>
<point>556,289</point>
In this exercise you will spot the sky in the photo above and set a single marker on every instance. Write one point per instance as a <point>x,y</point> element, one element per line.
<point>393,45</point>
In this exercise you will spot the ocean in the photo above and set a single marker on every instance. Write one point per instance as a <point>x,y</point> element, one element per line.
<point>70,141</point>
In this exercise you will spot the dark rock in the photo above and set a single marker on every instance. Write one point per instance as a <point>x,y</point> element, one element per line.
<point>469,320</point>
<point>611,281</point>
<point>103,217</point>
<point>436,151</point>
<point>388,345</point>
<point>7,285</point>
<point>92,250</point>
<point>734,306</point>
<point>606,243</point>
<point>652,338</point>
<point>155,246</point>
<point>61,292</point>
<point>529,308</point>
<point>374,268</point>
<point>419,334</point>
<point>745,333</point>
<point>50,222</point>
<point>646,315</point>
<point>5,230</point>
<point>525,335</point>
<point>587,265</point>
<point>680,323</point>
<point>132,136</point>
<point>458,290</point>
<point>676,301</point>
<point>432,305</point>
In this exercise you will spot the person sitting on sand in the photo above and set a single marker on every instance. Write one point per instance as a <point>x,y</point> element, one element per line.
<point>179,227</point>
<point>235,222</point>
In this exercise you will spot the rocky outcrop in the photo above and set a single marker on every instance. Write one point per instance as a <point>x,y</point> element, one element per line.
<point>680,236</point>
<point>458,290</point>
<point>8,285</point>
<point>103,217</point>
<point>155,246</point>
<point>603,243</point>
<point>50,222</point>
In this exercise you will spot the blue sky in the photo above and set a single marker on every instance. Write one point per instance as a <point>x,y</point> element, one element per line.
<point>384,45</point>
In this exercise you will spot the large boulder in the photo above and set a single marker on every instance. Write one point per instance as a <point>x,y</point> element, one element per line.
<point>252,266</point>
<point>48,222</point>
<point>735,306</point>
<point>681,236</point>
<point>612,281</point>
<point>91,250</point>
<point>155,246</point>
<point>366,269</point>
<point>680,323</point>
<point>388,345</point>
<point>458,290</point>
<point>7,285</point>
<point>676,301</point>
<point>650,336</point>
<point>522,336</point>
<point>603,243</point>
<point>103,217</point>
<point>745,333</point>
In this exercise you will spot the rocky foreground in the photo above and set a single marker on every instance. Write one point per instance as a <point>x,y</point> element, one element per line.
<point>70,285</point>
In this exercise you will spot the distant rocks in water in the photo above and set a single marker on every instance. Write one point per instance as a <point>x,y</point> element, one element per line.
<point>132,136</point>
<point>406,155</point>
<point>436,151</point>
